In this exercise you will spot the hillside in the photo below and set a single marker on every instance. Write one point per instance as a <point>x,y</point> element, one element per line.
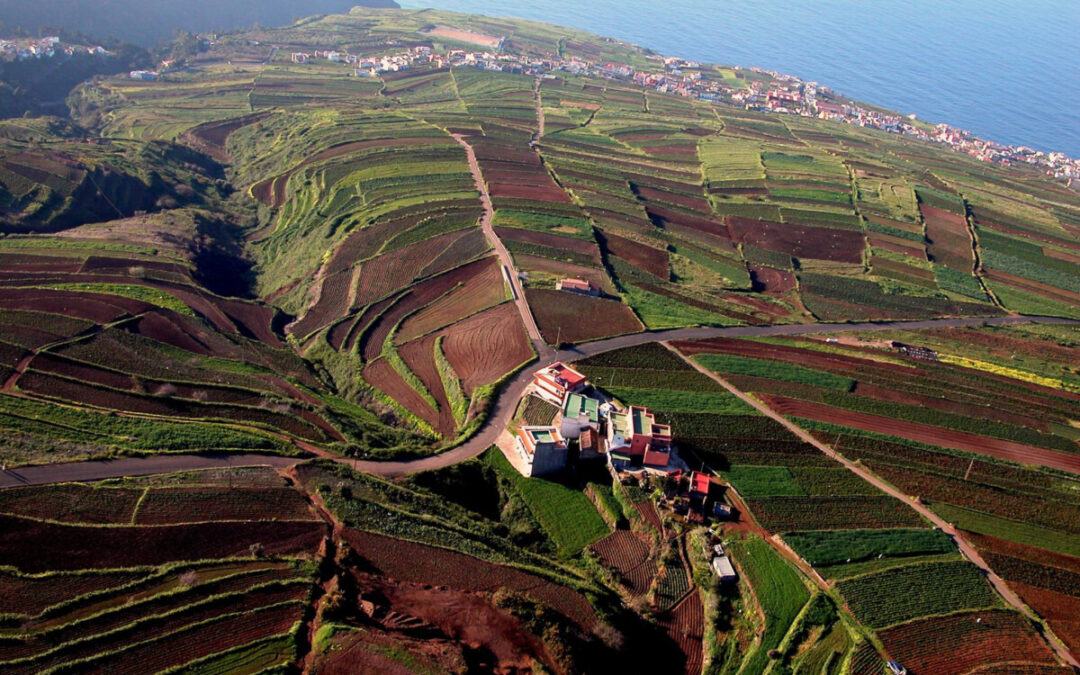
<point>340,246</point>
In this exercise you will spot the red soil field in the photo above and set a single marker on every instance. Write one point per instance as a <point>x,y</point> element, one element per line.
<point>162,327</point>
<point>957,440</point>
<point>186,645</point>
<point>252,320</point>
<point>47,363</point>
<point>537,193</point>
<point>486,346</point>
<point>571,317</point>
<point>652,260</point>
<point>628,555</point>
<point>171,506</point>
<point>890,268</point>
<point>896,245</point>
<point>949,242</point>
<point>955,644</point>
<point>382,375</point>
<point>333,303</point>
<point>473,244</point>
<point>818,243</point>
<point>669,217</point>
<point>1030,553</point>
<point>1030,234</point>
<point>581,246</point>
<point>694,203</point>
<point>90,306</point>
<point>390,272</point>
<point>33,546</point>
<point>648,511</point>
<point>968,410</point>
<point>686,626</point>
<point>419,356</point>
<point>30,596</point>
<point>678,150</point>
<point>371,313</point>
<point>1061,611</point>
<point>417,563</point>
<point>420,295</point>
<point>340,331</point>
<point>72,503</point>
<point>771,280</point>
<point>482,291</point>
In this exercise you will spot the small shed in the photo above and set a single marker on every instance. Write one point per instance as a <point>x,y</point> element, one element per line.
<point>724,569</point>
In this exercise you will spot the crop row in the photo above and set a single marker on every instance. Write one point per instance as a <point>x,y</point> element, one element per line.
<point>903,593</point>
<point>786,514</point>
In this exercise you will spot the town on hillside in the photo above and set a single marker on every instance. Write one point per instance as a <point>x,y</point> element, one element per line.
<point>749,88</point>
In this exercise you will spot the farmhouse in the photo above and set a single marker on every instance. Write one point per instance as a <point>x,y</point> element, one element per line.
<point>300,57</point>
<point>541,449</point>
<point>578,286</point>
<point>591,444</point>
<point>146,75</point>
<point>635,439</point>
<point>554,382</point>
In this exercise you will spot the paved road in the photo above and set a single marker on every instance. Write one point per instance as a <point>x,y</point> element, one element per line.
<point>512,391</point>
<point>133,466</point>
<point>508,397</point>
<point>965,547</point>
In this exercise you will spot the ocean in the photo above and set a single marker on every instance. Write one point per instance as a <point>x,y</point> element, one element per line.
<point>1007,70</point>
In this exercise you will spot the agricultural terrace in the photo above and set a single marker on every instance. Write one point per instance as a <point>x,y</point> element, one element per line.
<point>358,308</point>
<point>206,568</point>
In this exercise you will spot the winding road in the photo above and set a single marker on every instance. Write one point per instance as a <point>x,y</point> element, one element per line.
<point>504,406</point>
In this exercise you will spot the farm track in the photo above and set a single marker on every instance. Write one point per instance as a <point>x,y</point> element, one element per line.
<point>965,547</point>
<point>504,255</point>
<point>502,410</point>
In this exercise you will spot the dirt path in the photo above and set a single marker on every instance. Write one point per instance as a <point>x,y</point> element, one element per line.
<point>539,114</point>
<point>965,547</point>
<point>504,255</point>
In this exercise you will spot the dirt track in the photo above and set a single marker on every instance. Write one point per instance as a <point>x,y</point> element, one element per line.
<point>504,255</point>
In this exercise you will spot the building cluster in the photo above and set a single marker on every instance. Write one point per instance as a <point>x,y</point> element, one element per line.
<point>591,427</point>
<point>628,439</point>
<point>45,48</point>
<point>778,93</point>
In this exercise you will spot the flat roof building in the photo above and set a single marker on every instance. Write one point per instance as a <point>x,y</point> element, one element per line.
<point>542,450</point>
<point>557,380</point>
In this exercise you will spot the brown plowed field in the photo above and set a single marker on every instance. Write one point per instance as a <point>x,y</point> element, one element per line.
<point>949,242</point>
<point>417,563</point>
<point>686,626</point>
<point>169,506</point>
<point>924,433</point>
<point>391,272</point>
<point>953,645</point>
<point>89,306</point>
<point>897,245</point>
<point>420,295</point>
<point>486,346</point>
<point>1029,553</point>
<point>482,291</point>
<point>671,217</point>
<point>1045,290</point>
<point>572,317</point>
<point>817,243</point>
<point>580,246</point>
<point>29,596</point>
<point>34,546</point>
<point>648,511</point>
<point>419,356</point>
<point>536,193</point>
<point>1061,611</point>
<point>652,260</point>
<point>382,375</point>
<point>628,555</point>
<point>908,398</point>
<point>694,203</point>
<point>771,280</point>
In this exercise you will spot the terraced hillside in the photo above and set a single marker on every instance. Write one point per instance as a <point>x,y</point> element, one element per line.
<point>872,551</point>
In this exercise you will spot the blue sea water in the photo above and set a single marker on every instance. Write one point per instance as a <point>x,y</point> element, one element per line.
<point>1007,70</point>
